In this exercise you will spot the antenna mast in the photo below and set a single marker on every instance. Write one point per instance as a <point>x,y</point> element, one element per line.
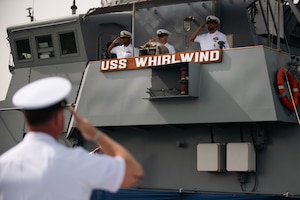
<point>73,8</point>
<point>30,14</point>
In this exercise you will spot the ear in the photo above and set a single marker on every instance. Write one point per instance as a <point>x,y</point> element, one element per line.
<point>58,117</point>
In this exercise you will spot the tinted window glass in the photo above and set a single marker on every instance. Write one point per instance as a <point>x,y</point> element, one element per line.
<point>68,43</point>
<point>23,49</point>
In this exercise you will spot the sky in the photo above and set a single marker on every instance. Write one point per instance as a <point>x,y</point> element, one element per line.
<point>13,12</point>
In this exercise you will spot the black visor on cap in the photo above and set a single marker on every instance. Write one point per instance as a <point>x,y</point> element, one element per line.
<point>162,35</point>
<point>60,105</point>
<point>212,21</point>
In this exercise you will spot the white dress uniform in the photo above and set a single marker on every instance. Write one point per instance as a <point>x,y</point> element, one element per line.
<point>209,41</point>
<point>40,168</point>
<point>124,52</point>
<point>170,47</point>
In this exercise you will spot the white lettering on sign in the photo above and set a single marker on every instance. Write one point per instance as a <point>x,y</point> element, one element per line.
<point>214,56</point>
<point>202,56</point>
<point>186,57</point>
<point>140,61</point>
<point>113,64</point>
<point>156,60</point>
<point>162,59</point>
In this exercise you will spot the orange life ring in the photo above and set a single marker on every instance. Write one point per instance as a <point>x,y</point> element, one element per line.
<point>293,84</point>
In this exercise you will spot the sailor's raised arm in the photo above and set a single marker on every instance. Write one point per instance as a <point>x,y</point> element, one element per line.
<point>197,31</point>
<point>150,40</point>
<point>133,172</point>
<point>117,40</point>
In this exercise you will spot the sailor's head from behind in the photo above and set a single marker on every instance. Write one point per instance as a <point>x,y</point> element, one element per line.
<point>42,102</point>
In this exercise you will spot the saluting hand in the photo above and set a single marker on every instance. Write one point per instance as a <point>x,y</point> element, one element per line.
<point>117,40</point>
<point>87,130</point>
<point>202,26</point>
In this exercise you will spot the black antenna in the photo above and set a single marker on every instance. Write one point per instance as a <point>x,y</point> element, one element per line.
<point>30,14</point>
<point>73,8</point>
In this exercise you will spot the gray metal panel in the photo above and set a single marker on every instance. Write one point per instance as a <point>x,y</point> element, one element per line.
<point>12,124</point>
<point>240,89</point>
<point>168,166</point>
<point>233,14</point>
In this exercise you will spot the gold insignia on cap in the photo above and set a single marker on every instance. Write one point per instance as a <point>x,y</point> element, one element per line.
<point>125,34</point>
<point>63,104</point>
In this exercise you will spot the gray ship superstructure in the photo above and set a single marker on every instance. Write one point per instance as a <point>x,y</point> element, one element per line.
<point>216,121</point>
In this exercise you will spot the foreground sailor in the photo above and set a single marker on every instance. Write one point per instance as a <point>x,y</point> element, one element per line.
<point>214,39</point>
<point>41,168</point>
<point>124,50</point>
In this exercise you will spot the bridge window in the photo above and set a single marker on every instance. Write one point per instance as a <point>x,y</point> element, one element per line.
<point>67,43</point>
<point>23,49</point>
<point>45,47</point>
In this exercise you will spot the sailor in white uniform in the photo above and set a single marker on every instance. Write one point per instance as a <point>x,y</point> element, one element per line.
<point>124,50</point>
<point>163,35</point>
<point>39,167</point>
<point>214,39</point>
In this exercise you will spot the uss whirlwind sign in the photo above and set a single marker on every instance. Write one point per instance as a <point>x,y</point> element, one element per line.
<point>210,56</point>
